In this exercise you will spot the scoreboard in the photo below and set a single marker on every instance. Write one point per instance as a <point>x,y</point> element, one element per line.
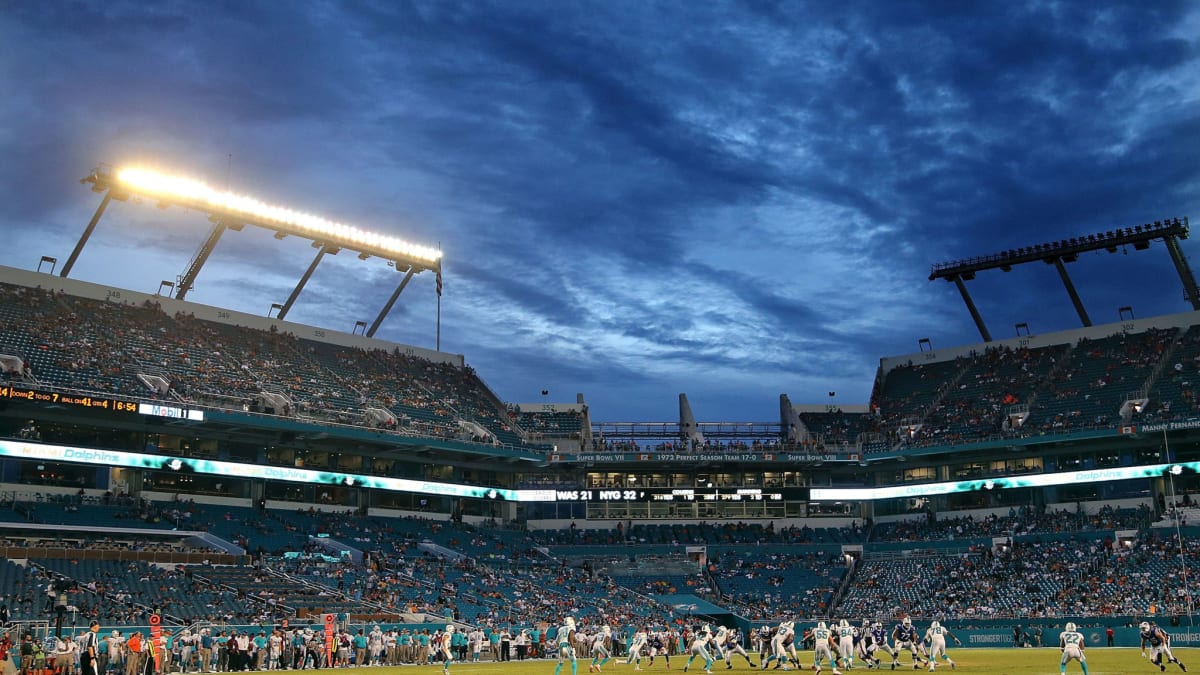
<point>67,399</point>
<point>99,403</point>
<point>697,494</point>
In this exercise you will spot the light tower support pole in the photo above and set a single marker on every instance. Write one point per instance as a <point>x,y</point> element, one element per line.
<point>1066,279</point>
<point>87,234</point>
<point>287,305</point>
<point>391,301</point>
<point>1190,290</point>
<point>962,289</point>
<point>193,269</point>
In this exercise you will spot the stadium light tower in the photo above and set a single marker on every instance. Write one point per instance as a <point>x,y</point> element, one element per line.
<point>1068,251</point>
<point>230,211</point>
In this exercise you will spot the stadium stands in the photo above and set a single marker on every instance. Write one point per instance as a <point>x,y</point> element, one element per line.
<point>1174,393</point>
<point>93,346</point>
<point>1087,392</point>
<point>703,533</point>
<point>557,424</point>
<point>836,426</point>
<point>1018,522</point>
<point>1031,578</point>
<point>1059,388</point>
<point>767,585</point>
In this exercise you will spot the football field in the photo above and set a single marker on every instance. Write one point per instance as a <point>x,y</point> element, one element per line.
<point>1044,661</point>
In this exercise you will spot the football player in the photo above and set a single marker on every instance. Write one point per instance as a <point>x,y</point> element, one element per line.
<point>1160,646</point>
<point>566,646</point>
<point>823,648</point>
<point>699,647</point>
<point>1071,642</point>
<point>733,645</point>
<point>905,637</point>
<point>936,635</point>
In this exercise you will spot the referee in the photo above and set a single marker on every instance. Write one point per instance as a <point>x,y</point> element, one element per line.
<point>88,658</point>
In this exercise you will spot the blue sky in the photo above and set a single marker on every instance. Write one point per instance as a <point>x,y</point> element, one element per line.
<point>635,199</point>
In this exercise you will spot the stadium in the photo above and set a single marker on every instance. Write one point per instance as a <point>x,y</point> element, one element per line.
<point>281,283</point>
<point>250,493</point>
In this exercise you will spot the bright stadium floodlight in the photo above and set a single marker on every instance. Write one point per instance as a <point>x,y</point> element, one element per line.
<point>196,194</point>
<point>230,211</point>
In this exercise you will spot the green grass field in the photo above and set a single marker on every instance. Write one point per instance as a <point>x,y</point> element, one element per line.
<point>1101,661</point>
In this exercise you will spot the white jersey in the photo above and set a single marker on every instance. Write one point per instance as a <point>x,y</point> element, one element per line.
<point>1071,643</point>
<point>821,642</point>
<point>936,635</point>
<point>845,636</point>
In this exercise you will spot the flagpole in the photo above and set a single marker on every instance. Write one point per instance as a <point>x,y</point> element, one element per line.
<point>438,339</point>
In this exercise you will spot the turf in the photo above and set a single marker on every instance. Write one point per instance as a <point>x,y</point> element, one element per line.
<point>1101,661</point>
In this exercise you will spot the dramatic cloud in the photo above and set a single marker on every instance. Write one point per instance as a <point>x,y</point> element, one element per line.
<point>732,200</point>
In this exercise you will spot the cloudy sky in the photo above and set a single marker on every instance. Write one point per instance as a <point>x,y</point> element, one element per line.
<point>635,199</point>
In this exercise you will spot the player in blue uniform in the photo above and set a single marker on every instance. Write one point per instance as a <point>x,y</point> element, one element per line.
<point>659,646</point>
<point>878,640</point>
<point>1160,646</point>
<point>862,639</point>
<point>905,636</point>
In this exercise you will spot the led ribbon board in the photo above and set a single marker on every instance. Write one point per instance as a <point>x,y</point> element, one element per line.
<point>135,460</point>
<point>1042,480</point>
